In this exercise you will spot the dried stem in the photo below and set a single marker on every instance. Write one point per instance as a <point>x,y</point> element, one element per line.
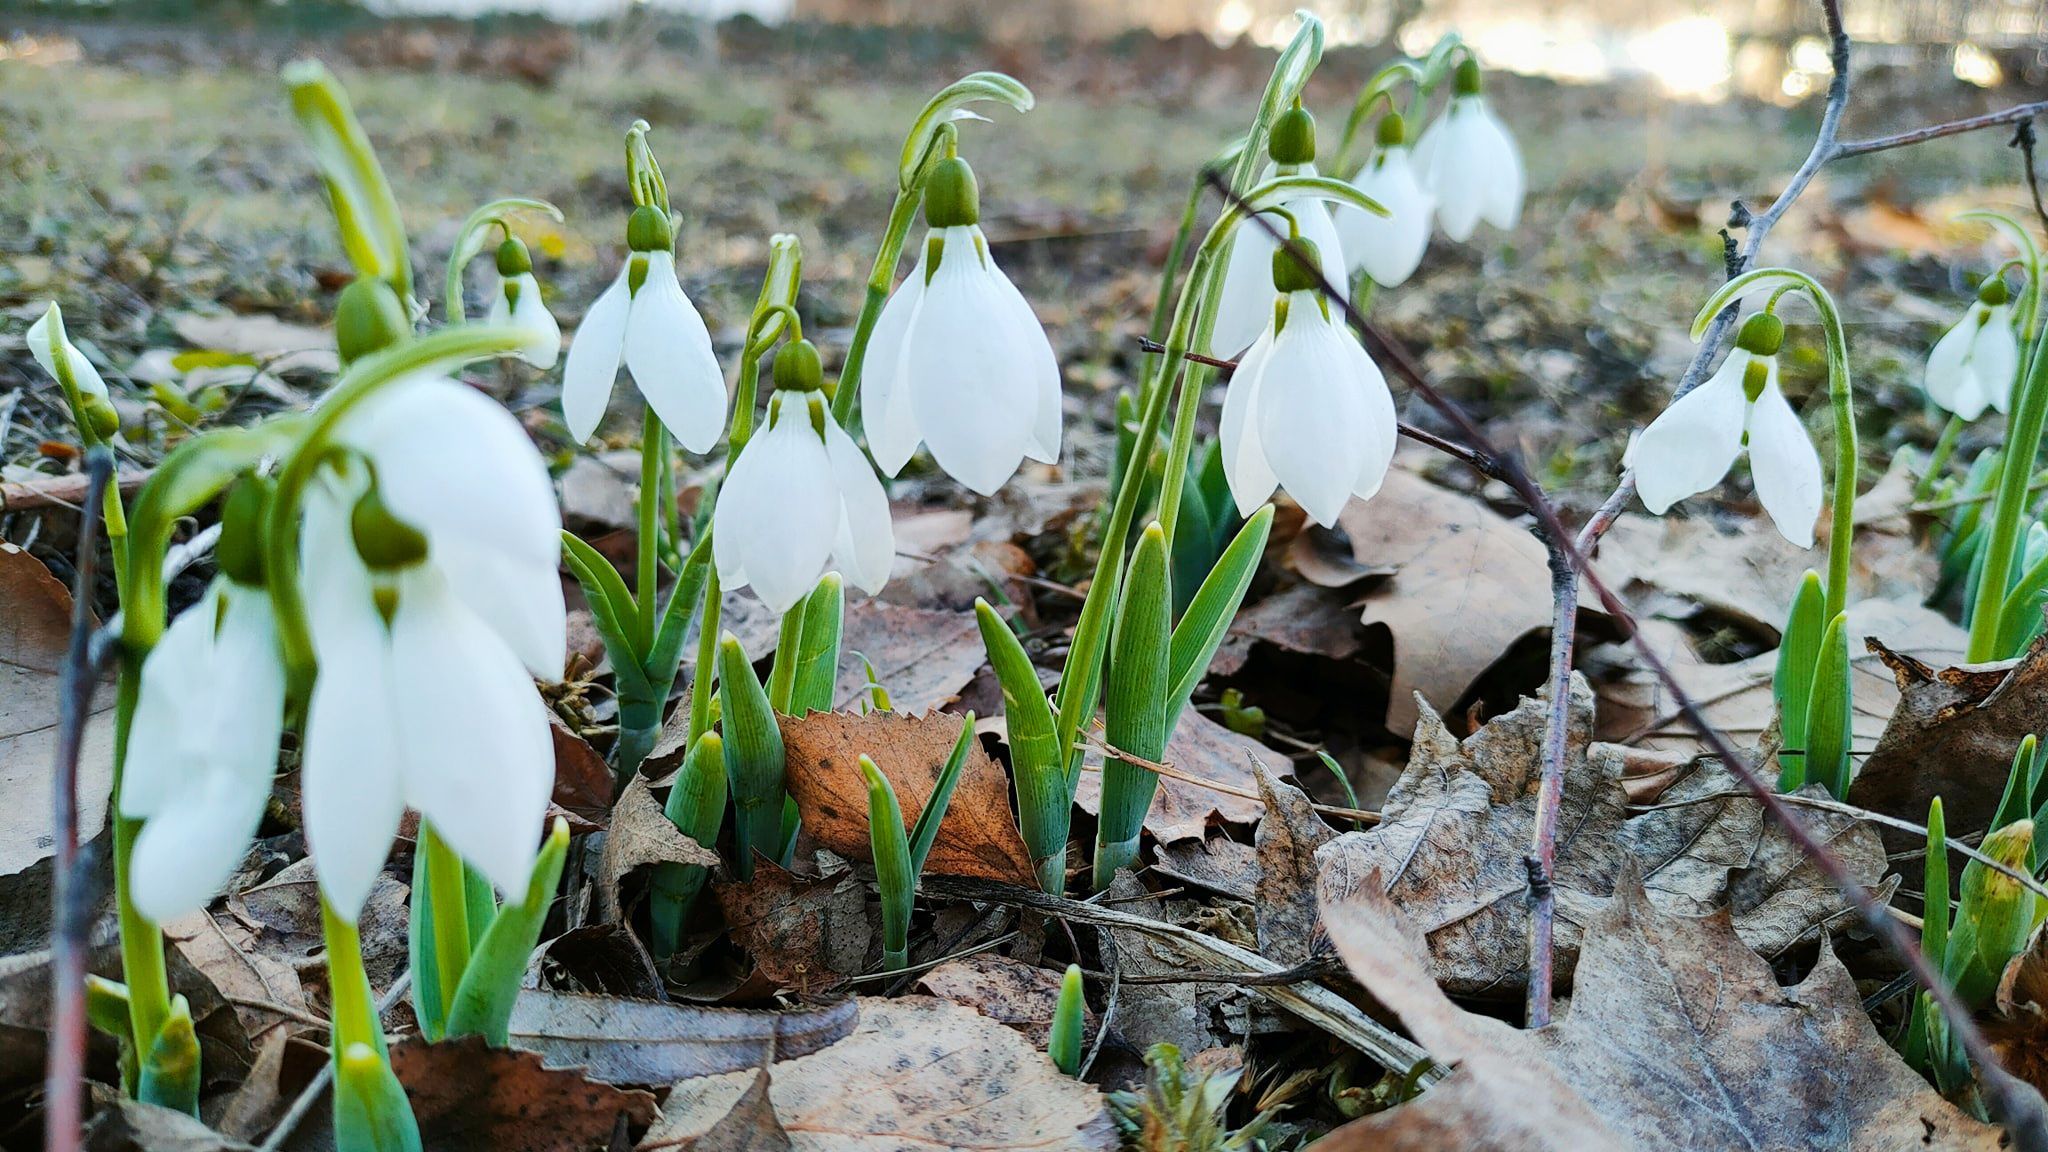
<point>64,1084</point>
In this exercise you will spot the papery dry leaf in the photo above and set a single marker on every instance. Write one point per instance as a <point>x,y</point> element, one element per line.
<point>1186,1015</point>
<point>804,933</point>
<point>923,657</point>
<point>601,959</point>
<point>583,782</point>
<point>597,492</point>
<point>1183,811</point>
<point>1285,903</point>
<point>227,952</point>
<point>1008,991</point>
<point>917,1073</point>
<point>1677,1036</point>
<point>640,836</point>
<point>2019,1034</point>
<point>285,346</point>
<point>978,836</point>
<point>257,1102</point>
<point>1220,864</point>
<point>35,634</point>
<point>749,1125</point>
<point>1952,735</point>
<point>624,1041</point>
<point>123,1125</point>
<point>283,918</point>
<point>1305,619</point>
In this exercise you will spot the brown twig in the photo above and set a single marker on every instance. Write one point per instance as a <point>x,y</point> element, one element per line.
<point>2015,1104</point>
<point>2018,114</point>
<point>2023,139</point>
<point>1161,768</point>
<point>64,1084</point>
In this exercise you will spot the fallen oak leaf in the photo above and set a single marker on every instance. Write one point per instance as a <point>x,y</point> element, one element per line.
<point>640,836</point>
<point>622,1041</point>
<point>916,1073</point>
<point>978,836</point>
<point>1677,1036</point>
<point>1285,898</point>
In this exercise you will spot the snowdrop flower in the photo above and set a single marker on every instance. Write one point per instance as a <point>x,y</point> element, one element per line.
<point>1691,446</point>
<point>203,744</point>
<point>53,349</point>
<point>1976,362</point>
<point>1389,248</point>
<point>1307,409</point>
<point>516,303</point>
<point>433,598</point>
<point>958,361</point>
<point>645,319</point>
<point>1470,163</point>
<point>801,497</point>
<point>1247,300</point>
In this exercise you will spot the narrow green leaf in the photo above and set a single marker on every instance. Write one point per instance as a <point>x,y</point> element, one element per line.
<point>1064,1043</point>
<point>1792,683</point>
<point>1207,621</point>
<point>170,1072</point>
<point>2014,803</point>
<point>1828,712</point>
<point>894,876</point>
<point>423,955</point>
<point>371,1112</point>
<point>1936,909</point>
<point>1136,708</point>
<point>817,666</point>
<point>2020,619</point>
<point>926,830</point>
<point>696,806</point>
<point>1044,802</point>
<point>483,1004</point>
<point>789,640</point>
<point>754,762</point>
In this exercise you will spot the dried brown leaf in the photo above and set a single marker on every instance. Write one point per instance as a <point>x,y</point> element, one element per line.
<point>978,836</point>
<point>1182,810</point>
<point>804,933</point>
<point>35,631</point>
<point>602,959</point>
<point>1005,990</point>
<point>624,1041</point>
<point>583,782</point>
<point>917,1073</point>
<point>749,1125</point>
<point>1287,840</point>
<point>641,836</point>
<point>124,1125</point>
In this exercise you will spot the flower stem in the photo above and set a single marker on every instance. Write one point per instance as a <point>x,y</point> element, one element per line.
<point>653,446</point>
<point>447,891</point>
<point>2015,468</point>
<point>142,942</point>
<point>883,277</point>
<point>354,1013</point>
<point>1937,461</point>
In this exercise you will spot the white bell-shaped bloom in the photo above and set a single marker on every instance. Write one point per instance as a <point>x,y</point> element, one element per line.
<point>645,319</point>
<point>1470,164</point>
<point>47,342</point>
<point>958,361</point>
<point>1306,410</point>
<point>202,748</point>
<point>1246,306</point>
<point>431,597</point>
<point>1975,364</point>
<point>516,302</point>
<point>801,499</point>
<point>1389,248</point>
<point>1691,446</point>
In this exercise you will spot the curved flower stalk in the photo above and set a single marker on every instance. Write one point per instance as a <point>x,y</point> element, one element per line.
<point>475,233</point>
<point>1692,445</point>
<point>1389,249</point>
<point>1246,302</point>
<point>92,412</point>
<point>1307,409</point>
<point>959,362</point>
<point>646,320</point>
<point>1973,366</point>
<point>1470,163</point>
<point>804,497</point>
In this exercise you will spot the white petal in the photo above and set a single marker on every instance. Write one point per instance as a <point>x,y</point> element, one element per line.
<point>1390,247</point>
<point>1785,466</point>
<point>1244,460</point>
<point>1045,369</point>
<point>520,600</point>
<point>865,545</point>
<point>186,852</point>
<point>1312,418</point>
<point>1502,205</point>
<point>531,314</point>
<point>1246,306</point>
<point>479,762</point>
<point>884,403</point>
<point>594,357</point>
<point>969,365</point>
<point>349,763</point>
<point>164,738</point>
<point>668,350</point>
<point>1462,170</point>
<point>1691,446</point>
<point>83,373</point>
<point>777,514</point>
<point>1995,356</point>
<point>1949,380</point>
<point>1382,424</point>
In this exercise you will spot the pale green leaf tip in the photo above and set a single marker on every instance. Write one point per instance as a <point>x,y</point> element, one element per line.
<point>831,582</point>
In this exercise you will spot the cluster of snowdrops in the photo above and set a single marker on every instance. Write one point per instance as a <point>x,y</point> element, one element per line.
<point>387,562</point>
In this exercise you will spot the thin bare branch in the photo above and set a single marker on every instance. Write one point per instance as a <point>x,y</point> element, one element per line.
<point>2018,114</point>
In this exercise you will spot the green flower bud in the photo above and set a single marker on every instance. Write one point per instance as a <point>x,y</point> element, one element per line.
<point>101,415</point>
<point>952,198</point>
<point>649,230</point>
<point>513,258</point>
<point>1466,82</point>
<point>1762,335</point>
<point>239,554</point>
<point>1993,292</point>
<point>1293,138</point>
<point>369,317</point>
<point>1999,906</point>
<point>382,539</point>
<point>798,369</point>
<point>1295,265</point>
<point>1392,131</point>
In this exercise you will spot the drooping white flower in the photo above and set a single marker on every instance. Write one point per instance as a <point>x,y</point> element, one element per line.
<point>54,351</point>
<point>958,361</point>
<point>516,302</point>
<point>1691,446</point>
<point>1246,304</point>
<point>1470,164</point>
<point>801,498</point>
<point>203,746</point>
<point>433,597</point>
<point>1389,248</point>
<point>645,319</point>
<point>1975,363</point>
<point>1306,409</point>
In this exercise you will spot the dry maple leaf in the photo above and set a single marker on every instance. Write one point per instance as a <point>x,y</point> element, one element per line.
<point>916,1073</point>
<point>1677,1037</point>
<point>978,836</point>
